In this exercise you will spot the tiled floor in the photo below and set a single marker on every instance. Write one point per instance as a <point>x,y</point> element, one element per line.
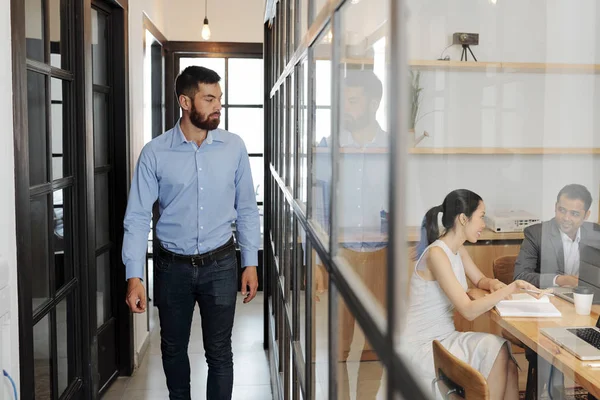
<point>251,369</point>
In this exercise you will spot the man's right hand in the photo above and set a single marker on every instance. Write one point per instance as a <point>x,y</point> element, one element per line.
<point>136,296</point>
<point>567,280</point>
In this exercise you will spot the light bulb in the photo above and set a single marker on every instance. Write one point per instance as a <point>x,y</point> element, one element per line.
<point>493,1</point>
<point>354,1</point>
<point>205,30</point>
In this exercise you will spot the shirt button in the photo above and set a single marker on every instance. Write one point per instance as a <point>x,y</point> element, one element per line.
<point>202,208</point>
<point>201,227</point>
<point>359,206</point>
<point>199,169</point>
<point>201,188</point>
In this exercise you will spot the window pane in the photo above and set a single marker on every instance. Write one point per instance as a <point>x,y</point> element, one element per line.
<point>322,149</point>
<point>258,176</point>
<point>42,359</point>
<point>63,236</point>
<point>40,282</point>
<point>243,90</point>
<point>60,129</point>
<point>249,124</point>
<point>58,47</point>
<point>99,43</point>
<point>34,29</point>
<point>101,156</point>
<point>102,210</point>
<point>65,337</point>
<point>36,119</point>
<point>216,64</point>
<point>103,288</point>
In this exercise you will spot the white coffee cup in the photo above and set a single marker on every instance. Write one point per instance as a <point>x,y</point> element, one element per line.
<point>583,300</point>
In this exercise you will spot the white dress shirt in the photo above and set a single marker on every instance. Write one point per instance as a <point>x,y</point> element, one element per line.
<point>571,254</point>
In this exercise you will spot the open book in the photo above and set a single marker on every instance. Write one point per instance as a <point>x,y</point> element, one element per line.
<point>525,305</point>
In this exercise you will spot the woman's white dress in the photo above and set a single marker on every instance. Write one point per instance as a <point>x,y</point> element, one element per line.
<point>430,316</point>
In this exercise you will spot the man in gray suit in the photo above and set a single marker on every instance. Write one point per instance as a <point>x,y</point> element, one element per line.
<point>550,256</point>
<point>550,252</point>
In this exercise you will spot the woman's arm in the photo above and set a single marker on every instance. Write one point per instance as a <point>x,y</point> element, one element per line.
<point>441,269</point>
<point>476,276</point>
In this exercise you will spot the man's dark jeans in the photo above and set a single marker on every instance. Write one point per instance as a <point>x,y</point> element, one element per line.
<point>178,287</point>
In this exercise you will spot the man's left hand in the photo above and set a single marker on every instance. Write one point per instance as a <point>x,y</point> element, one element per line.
<point>249,281</point>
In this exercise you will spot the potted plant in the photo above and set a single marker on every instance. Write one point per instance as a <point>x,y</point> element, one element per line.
<point>415,103</point>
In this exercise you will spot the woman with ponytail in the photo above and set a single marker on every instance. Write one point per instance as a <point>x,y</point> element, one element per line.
<point>439,286</point>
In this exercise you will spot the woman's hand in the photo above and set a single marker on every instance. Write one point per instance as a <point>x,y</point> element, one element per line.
<point>519,285</point>
<point>495,285</point>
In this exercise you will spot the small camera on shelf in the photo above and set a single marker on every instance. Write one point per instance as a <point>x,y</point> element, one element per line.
<point>466,40</point>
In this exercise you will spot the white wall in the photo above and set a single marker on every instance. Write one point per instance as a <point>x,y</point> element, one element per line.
<point>8,247</point>
<point>487,108</point>
<point>154,10</point>
<point>229,20</point>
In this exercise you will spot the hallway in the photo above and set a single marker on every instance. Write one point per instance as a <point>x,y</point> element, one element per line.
<point>251,368</point>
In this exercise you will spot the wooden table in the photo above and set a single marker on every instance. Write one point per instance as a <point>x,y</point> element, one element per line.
<point>527,331</point>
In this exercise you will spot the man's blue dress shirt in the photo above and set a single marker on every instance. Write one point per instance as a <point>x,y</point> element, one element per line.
<point>201,191</point>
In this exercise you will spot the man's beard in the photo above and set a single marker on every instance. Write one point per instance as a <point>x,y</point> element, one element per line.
<point>352,125</point>
<point>203,122</point>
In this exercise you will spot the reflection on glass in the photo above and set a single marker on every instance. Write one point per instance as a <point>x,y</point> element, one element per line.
<point>40,282</point>
<point>57,46</point>
<point>65,340</point>
<point>216,64</point>
<point>319,330</point>
<point>59,130</point>
<point>360,373</point>
<point>62,237</point>
<point>101,136</point>
<point>303,132</point>
<point>34,29</point>
<point>37,131</point>
<point>241,89</point>
<point>103,303</point>
<point>364,162</point>
<point>102,210</point>
<point>99,50</point>
<point>258,177</point>
<point>42,359</point>
<point>321,148</point>
<point>249,124</point>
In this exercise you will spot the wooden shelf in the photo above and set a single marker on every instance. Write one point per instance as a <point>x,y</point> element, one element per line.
<point>504,66</point>
<point>414,235</point>
<point>505,150</point>
<point>468,150</point>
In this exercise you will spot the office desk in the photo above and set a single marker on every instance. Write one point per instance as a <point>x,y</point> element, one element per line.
<point>527,331</point>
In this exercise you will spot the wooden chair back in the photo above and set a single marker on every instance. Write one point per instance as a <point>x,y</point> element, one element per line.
<point>455,375</point>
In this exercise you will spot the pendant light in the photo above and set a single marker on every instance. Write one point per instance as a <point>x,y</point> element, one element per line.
<point>205,27</point>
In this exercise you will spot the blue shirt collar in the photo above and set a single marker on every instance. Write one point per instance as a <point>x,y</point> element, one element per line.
<point>179,137</point>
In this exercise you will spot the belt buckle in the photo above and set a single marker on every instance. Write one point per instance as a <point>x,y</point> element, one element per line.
<point>197,261</point>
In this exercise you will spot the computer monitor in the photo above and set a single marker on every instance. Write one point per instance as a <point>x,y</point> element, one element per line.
<point>589,269</point>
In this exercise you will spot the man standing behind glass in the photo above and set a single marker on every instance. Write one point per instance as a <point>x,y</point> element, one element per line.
<point>362,210</point>
<point>201,177</point>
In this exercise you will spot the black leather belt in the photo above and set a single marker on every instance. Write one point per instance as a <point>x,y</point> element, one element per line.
<point>197,260</point>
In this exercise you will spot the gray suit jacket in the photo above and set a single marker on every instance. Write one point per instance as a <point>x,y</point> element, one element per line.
<point>542,258</point>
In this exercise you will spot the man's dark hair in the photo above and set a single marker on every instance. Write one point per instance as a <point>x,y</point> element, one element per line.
<point>367,80</point>
<point>576,192</point>
<point>188,80</point>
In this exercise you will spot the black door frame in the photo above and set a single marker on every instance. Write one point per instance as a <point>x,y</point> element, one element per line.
<point>86,385</point>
